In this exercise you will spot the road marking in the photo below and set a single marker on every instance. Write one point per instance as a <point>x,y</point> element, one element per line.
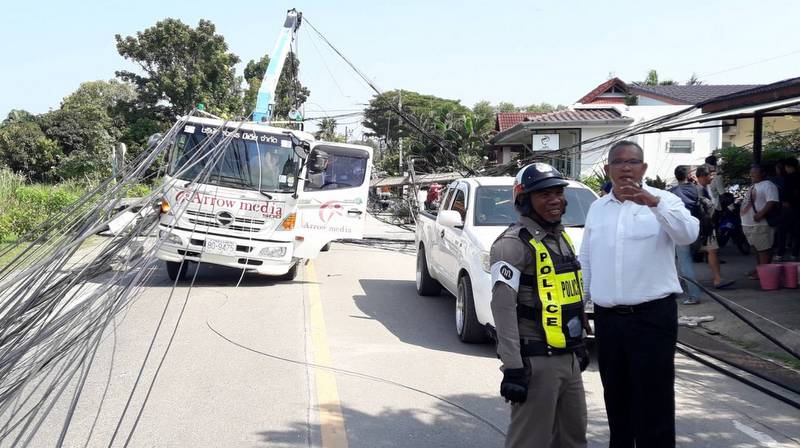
<point>330,410</point>
<point>760,437</point>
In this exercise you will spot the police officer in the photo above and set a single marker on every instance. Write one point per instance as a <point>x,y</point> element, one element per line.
<point>537,303</point>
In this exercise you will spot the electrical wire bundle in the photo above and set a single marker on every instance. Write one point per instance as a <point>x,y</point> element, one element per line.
<point>59,295</point>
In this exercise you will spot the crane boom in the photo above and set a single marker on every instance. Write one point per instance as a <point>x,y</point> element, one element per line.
<point>265,101</point>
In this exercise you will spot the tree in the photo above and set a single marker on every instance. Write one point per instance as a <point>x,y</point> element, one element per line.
<point>289,94</point>
<point>182,66</point>
<point>383,122</point>
<point>694,80</point>
<point>25,149</point>
<point>90,121</point>
<point>506,107</point>
<point>652,80</point>
<point>484,116</point>
<point>543,108</point>
<point>327,130</point>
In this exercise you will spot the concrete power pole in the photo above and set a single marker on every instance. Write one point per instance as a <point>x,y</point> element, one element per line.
<point>400,108</point>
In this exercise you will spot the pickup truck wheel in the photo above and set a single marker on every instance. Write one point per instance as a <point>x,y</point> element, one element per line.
<point>176,269</point>
<point>426,285</point>
<point>467,325</point>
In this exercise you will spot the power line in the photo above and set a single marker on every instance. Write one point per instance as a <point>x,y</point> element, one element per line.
<point>761,61</point>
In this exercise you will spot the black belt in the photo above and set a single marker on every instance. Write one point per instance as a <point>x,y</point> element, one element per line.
<point>633,309</point>
<point>539,348</point>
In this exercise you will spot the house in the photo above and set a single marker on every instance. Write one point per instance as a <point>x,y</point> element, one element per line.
<point>577,148</point>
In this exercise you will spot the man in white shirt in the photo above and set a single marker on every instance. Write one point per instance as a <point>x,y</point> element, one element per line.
<point>757,204</point>
<point>628,262</point>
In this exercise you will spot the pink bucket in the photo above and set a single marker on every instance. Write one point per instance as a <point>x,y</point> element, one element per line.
<point>769,275</point>
<point>790,271</point>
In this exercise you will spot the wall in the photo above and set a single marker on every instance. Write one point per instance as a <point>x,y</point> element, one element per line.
<point>660,162</point>
<point>744,134</point>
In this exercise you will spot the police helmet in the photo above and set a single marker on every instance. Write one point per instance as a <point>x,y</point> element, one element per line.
<point>535,177</point>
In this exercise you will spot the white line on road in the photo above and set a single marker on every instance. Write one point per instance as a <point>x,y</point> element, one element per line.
<point>759,436</point>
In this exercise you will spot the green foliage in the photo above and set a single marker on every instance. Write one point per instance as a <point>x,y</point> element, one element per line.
<point>658,182</point>
<point>506,107</point>
<point>138,191</point>
<point>652,80</point>
<point>289,93</point>
<point>736,161</point>
<point>543,108</point>
<point>24,207</point>
<point>182,66</point>
<point>694,80</point>
<point>25,149</point>
<point>327,131</point>
<point>596,180</point>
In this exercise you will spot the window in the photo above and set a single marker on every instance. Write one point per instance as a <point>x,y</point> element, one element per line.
<point>493,206</point>
<point>680,146</point>
<point>446,199</point>
<point>459,204</point>
<point>345,170</point>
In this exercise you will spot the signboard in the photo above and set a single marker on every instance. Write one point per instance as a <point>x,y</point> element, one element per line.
<point>545,142</point>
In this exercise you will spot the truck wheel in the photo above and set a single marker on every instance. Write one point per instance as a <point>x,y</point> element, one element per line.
<point>292,274</point>
<point>326,248</point>
<point>426,285</point>
<point>177,270</point>
<point>469,329</point>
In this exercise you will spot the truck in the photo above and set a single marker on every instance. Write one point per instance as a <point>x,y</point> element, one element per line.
<point>268,197</point>
<point>453,243</point>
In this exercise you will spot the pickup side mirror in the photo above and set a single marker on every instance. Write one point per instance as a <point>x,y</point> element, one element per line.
<point>450,218</point>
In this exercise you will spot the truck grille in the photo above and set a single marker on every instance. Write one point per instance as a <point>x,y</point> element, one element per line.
<point>238,224</point>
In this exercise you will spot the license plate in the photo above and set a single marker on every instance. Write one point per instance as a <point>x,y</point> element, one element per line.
<point>220,247</point>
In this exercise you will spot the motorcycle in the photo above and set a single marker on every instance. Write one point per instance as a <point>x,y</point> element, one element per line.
<point>729,224</point>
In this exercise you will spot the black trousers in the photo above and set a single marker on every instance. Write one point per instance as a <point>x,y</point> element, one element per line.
<point>636,359</point>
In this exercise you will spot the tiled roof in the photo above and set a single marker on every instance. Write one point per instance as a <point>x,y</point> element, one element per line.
<point>507,119</point>
<point>576,115</point>
<point>599,90</point>
<point>689,94</point>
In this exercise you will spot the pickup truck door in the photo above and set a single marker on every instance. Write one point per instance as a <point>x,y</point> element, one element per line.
<point>451,238</point>
<point>435,238</point>
<point>332,203</point>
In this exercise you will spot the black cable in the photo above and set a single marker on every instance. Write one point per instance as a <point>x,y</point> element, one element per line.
<point>734,375</point>
<point>724,302</point>
<point>362,376</point>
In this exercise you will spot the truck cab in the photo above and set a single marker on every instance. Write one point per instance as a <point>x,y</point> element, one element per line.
<point>252,196</point>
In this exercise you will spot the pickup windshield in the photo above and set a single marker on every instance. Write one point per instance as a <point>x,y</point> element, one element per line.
<point>250,161</point>
<point>493,206</point>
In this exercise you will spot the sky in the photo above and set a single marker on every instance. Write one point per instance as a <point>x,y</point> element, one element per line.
<point>522,52</point>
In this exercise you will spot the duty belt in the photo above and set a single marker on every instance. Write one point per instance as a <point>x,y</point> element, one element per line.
<point>540,348</point>
<point>632,309</point>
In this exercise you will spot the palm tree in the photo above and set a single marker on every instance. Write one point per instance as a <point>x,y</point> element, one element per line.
<point>327,129</point>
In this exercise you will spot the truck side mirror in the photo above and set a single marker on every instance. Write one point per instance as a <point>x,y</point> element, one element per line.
<point>450,218</point>
<point>317,161</point>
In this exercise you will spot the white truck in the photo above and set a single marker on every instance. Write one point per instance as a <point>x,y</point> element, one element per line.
<point>453,245</point>
<point>251,195</point>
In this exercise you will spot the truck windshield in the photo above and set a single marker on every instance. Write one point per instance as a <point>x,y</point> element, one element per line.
<point>250,161</point>
<point>493,206</point>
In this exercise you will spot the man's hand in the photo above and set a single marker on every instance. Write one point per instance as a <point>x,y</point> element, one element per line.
<point>635,193</point>
<point>586,326</point>
<point>514,387</point>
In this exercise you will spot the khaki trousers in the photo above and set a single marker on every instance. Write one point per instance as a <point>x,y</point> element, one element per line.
<point>554,415</point>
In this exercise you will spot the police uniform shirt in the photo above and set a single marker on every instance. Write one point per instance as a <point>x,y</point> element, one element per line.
<point>510,257</point>
<point>628,250</point>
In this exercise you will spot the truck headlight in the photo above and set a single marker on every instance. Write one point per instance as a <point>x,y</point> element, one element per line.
<point>170,237</point>
<point>485,262</point>
<point>273,252</point>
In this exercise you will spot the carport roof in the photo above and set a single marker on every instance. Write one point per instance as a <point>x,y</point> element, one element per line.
<point>570,118</point>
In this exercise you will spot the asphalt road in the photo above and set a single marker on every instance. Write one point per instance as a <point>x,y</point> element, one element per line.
<point>251,366</point>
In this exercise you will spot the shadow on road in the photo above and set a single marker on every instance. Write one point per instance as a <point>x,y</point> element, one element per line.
<point>215,275</point>
<point>438,425</point>
<point>423,321</point>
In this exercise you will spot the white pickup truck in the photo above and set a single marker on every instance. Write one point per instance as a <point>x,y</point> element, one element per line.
<point>453,244</point>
